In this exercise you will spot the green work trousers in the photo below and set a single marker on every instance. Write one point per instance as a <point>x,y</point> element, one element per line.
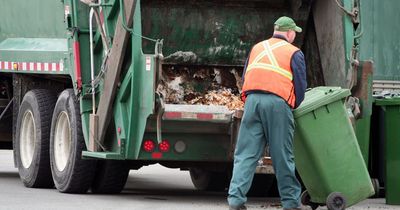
<point>267,119</point>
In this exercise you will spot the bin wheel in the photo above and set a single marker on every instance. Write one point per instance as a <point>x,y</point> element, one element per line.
<point>336,201</point>
<point>306,200</point>
<point>314,206</point>
<point>375,184</point>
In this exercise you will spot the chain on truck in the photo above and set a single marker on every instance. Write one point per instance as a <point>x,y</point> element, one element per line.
<point>92,89</point>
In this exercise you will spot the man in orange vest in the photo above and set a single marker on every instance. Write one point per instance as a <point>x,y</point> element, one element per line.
<point>274,84</point>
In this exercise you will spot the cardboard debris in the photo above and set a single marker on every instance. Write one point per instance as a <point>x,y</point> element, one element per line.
<point>223,97</point>
<point>201,86</point>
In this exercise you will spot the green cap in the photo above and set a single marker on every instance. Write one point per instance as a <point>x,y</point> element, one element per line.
<point>286,23</point>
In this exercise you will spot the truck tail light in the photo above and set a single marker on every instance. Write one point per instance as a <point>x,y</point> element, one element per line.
<point>148,146</point>
<point>164,146</point>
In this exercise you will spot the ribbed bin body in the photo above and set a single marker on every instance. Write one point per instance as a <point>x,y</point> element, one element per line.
<point>327,154</point>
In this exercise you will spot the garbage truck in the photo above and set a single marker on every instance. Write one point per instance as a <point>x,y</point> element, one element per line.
<point>90,90</point>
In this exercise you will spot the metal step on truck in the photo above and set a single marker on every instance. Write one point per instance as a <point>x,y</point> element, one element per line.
<point>92,89</point>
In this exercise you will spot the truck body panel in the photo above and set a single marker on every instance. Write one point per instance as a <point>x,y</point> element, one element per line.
<point>378,41</point>
<point>213,35</point>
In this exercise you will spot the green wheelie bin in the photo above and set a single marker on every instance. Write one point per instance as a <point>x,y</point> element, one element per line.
<point>391,110</point>
<point>327,155</point>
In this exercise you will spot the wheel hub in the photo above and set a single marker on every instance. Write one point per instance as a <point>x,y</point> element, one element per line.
<point>27,139</point>
<point>62,141</point>
<point>338,202</point>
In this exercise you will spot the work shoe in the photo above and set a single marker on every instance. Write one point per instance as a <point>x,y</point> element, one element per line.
<point>241,207</point>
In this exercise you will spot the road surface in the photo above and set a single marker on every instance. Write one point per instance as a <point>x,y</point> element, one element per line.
<point>152,187</point>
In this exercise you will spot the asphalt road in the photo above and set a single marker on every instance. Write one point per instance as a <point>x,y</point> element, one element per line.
<point>153,187</point>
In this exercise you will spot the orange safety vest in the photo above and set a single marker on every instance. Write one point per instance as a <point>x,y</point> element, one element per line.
<point>269,69</point>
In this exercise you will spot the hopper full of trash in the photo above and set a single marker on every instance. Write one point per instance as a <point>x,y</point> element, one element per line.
<point>189,85</point>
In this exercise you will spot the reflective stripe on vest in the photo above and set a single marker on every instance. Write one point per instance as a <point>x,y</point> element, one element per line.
<point>268,52</point>
<point>274,66</point>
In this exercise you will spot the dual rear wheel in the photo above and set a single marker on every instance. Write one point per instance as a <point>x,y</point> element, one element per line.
<point>49,147</point>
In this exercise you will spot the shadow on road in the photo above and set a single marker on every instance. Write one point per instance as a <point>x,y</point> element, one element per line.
<point>9,174</point>
<point>172,192</point>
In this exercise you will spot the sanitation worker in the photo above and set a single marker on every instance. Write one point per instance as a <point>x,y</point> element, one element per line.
<point>274,85</point>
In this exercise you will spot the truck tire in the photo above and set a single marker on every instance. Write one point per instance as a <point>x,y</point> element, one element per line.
<point>209,180</point>
<point>261,185</point>
<point>32,138</point>
<point>111,176</point>
<point>71,173</point>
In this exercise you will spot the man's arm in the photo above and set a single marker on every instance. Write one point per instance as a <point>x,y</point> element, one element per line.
<point>243,94</point>
<point>245,67</point>
<point>299,76</point>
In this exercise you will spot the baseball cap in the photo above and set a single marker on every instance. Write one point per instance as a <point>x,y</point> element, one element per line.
<point>286,23</point>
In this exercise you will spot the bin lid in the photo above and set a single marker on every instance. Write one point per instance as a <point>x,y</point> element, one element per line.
<point>394,101</point>
<point>320,96</point>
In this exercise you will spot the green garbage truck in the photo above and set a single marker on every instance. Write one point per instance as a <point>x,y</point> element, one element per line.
<point>92,89</point>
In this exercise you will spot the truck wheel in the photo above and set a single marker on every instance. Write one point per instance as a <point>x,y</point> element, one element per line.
<point>208,180</point>
<point>261,185</point>
<point>32,138</point>
<point>273,190</point>
<point>111,176</point>
<point>71,173</point>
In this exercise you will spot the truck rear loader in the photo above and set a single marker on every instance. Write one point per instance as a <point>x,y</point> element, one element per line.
<point>92,89</point>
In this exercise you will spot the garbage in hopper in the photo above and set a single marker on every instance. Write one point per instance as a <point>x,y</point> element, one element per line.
<point>206,86</point>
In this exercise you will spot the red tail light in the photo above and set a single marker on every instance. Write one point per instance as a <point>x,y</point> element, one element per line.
<point>164,146</point>
<point>148,146</point>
